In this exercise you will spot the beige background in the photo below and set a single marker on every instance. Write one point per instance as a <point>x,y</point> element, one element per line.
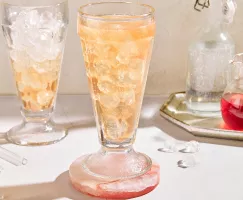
<point>177,24</point>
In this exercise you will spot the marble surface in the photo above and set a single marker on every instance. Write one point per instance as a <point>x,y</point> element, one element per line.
<point>45,177</point>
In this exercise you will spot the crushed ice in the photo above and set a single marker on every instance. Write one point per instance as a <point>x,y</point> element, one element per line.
<point>171,146</point>
<point>38,34</point>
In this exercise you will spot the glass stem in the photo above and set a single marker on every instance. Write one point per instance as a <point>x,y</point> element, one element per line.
<point>37,117</point>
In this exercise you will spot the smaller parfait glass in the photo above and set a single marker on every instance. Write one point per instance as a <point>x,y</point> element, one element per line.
<point>35,37</point>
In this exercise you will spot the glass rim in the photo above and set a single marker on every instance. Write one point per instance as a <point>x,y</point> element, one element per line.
<point>149,14</point>
<point>31,7</point>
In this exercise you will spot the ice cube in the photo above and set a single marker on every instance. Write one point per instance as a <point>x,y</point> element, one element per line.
<point>38,84</point>
<point>20,60</point>
<point>20,86</point>
<point>43,47</point>
<point>126,51</point>
<point>18,67</point>
<point>136,69</point>
<point>26,97</point>
<point>89,51</point>
<point>18,41</point>
<point>45,35</point>
<point>26,79</point>
<point>188,162</point>
<point>106,86</point>
<point>107,77</point>
<point>125,111</point>
<point>109,100</point>
<point>123,126</point>
<point>47,20</point>
<point>90,70</point>
<point>123,79</point>
<point>49,66</point>
<point>93,82</point>
<point>16,55</point>
<point>40,68</point>
<point>107,53</point>
<point>32,18</point>
<point>59,16</point>
<point>127,96</point>
<point>136,64</point>
<point>89,47</point>
<point>33,80</point>
<point>49,77</point>
<point>13,12</point>
<point>36,54</point>
<point>35,106</point>
<point>170,146</point>
<point>59,32</point>
<point>120,112</point>
<point>191,147</point>
<point>19,23</point>
<point>24,28</point>
<point>112,127</point>
<point>102,66</point>
<point>136,75</point>
<point>55,50</point>
<point>44,98</point>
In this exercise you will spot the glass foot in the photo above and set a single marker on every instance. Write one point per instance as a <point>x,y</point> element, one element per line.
<point>36,133</point>
<point>114,164</point>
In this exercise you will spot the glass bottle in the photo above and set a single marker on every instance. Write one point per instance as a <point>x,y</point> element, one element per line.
<point>208,61</point>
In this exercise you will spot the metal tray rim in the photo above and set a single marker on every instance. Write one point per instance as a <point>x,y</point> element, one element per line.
<point>197,130</point>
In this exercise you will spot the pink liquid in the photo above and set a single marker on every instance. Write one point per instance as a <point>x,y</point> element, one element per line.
<point>232,110</point>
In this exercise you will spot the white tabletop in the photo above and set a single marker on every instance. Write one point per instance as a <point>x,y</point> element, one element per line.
<point>219,175</point>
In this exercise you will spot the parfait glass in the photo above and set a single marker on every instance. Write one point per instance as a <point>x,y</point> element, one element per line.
<point>117,40</point>
<point>35,37</point>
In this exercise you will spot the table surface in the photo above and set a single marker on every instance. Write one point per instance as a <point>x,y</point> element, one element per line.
<point>218,175</point>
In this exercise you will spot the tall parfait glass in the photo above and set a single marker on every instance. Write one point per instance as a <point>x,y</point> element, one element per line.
<point>117,40</point>
<point>35,38</point>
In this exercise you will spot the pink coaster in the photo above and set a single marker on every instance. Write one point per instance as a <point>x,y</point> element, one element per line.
<point>119,189</point>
